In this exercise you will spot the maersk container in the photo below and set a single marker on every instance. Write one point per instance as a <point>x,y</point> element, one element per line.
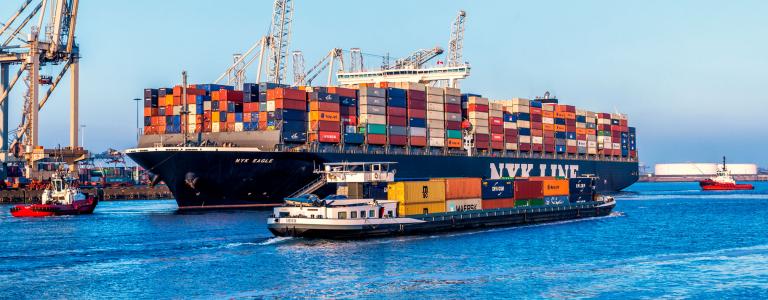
<point>556,200</point>
<point>463,204</point>
<point>497,188</point>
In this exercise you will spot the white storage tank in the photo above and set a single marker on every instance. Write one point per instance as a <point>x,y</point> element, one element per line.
<point>702,169</point>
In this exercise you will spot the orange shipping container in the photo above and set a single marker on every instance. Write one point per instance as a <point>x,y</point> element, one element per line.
<point>561,115</point>
<point>560,128</point>
<point>552,187</point>
<point>453,143</point>
<point>345,92</point>
<point>285,93</point>
<point>323,116</point>
<point>461,188</point>
<point>547,114</point>
<point>548,127</point>
<point>581,131</point>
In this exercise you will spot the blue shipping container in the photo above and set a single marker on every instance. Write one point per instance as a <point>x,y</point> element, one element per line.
<point>555,200</point>
<point>497,189</point>
<point>524,116</point>
<point>354,138</point>
<point>581,186</point>
<point>570,135</point>
<point>417,122</point>
<point>560,149</point>
<point>395,93</point>
<point>559,135</point>
<point>536,104</point>
<point>396,102</point>
<point>290,114</point>
<point>524,131</point>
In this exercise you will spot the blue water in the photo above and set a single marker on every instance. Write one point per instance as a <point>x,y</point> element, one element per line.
<point>665,240</point>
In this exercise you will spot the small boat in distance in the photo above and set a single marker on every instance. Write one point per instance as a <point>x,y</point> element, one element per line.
<point>59,199</point>
<point>723,181</point>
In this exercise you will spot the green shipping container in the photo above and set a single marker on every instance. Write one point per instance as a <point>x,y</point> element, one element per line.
<point>527,203</point>
<point>521,203</point>
<point>453,134</point>
<point>377,129</point>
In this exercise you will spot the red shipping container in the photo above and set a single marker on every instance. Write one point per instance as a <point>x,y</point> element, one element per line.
<point>348,110</point>
<point>623,123</point>
<point>345,92</point>
<point>477,107</point>
<point>615,135</point>
<point>228,95</point>
<point>497,145</point>
<point>571,149</point>
<point>569,122</point>
<point>290,104</point>
<point>535,111</point>
<point>632,153</point>
<point>498,203</point>
<point>537,126</point>
<point>537,132</point>
<point>396,111</point>
<point>323,106</point>
<point>604,127</point>
<point>416,95</point>
<point>550,148</point>
<point>230,126</point>
<point>549,141</point>
<point>604,115</point>
<point>329,137</point>
<point>286,93</point>
<point>524,147</point>
<point>351,120</point>
<point>453,125</point>
<point>325,126</point>
<point>537,147</point>
<point>417,104</point>
<point>397,121</point>
<point>536,118</point>
<point>570,128</point>
<point>496,121</point>
<point>525,189</point>
<point>399,140</point>
<point>453,108</point>
<point>495,137</point>
<point>549,134</point>
<point>418,141</point>
<point>497,129</point>
<point>417,113</point>
<point>581,137</point>
<point>376,139</point>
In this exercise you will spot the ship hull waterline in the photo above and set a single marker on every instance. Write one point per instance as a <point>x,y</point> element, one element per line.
<point>234,178</point>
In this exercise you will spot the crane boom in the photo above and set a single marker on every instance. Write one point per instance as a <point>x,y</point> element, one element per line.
<point>418,58</point>
<point>456,44</point>
<point>280,37</point>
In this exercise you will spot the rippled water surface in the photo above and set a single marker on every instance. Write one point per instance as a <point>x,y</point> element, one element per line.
<point>666,240</point>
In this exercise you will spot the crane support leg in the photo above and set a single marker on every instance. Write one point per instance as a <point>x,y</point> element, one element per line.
<point>74,102</point>
<point>34,85</point>
<point>4,69</point>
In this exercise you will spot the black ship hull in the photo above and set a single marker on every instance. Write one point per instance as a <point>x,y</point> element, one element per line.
<point>212,178</point>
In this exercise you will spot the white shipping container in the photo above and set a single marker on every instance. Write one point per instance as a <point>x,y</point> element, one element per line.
<point>372,110</point>
<point>438,99</point>
<point>411,86</point>
<point>270,105</point>
<point>451,99</point>
<point>496,114</point>
<point>436,115</point>
<point>511,146</point>
<point>496,106</point>
<point>371,91</point>
<point>437,142</point>
<point>591,150</point>
<point>207,105</point>
<point>581,143</point>
<point>476,115</point>
<point>591,120</point>
<point>438,124</point>
<point>373,119</point>
<point>617,146</point>
<point>452,91</point>
<point>510,125</point>
<point>456,117</point>
<point>176,110</point>
<point>519,108</point>
<point>524,139</point>
<point>581,125</point>
<point>481,129</point>
<point>537,140</point>
<point>591,114</point>
<point>548,107</point>
<point>434,91</point>
<point>477,100</point>
<point>436,107</point>
<point>604,146</point>
<point>435,133</point>
<point>603,121</point>
<point>215,127</point>
<point>592,138</point>
<point>571,143</point>
<point>463,205</point>
<point>191,128</point>
<point>239,126</point>
<point>546,120</point>
<point>581,112</point>
<point>591,144</point>
<point>373,101</point>
<point>523,124</point>
<point>418,131</point>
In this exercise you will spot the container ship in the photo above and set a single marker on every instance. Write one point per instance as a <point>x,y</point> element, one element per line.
<point>217,147</point>
<point>370,203</point>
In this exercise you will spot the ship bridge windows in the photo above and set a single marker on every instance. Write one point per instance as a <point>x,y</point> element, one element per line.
<point>371,213</point>
<point>362,214</point>
<point>342,215</point>
<point>353,215</point>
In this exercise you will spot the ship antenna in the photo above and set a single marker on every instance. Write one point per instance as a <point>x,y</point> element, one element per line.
<point>724,168</point>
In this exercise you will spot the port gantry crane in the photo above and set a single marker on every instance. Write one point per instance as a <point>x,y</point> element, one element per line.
<point>274,44</point>
<point>302,77</point>
<point>23,45</point>
<point>411,68</point>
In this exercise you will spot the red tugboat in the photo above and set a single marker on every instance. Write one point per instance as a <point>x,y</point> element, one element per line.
<point>59,199</point>
<point>723,181</point>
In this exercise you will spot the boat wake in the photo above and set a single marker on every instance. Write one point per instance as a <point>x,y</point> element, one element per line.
<point>275,240</point>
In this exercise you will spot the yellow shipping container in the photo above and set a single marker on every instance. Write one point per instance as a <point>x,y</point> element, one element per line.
<point>555,187</point>
<point>215,116</point>
<point>416,191</point>
<point>420,208</point>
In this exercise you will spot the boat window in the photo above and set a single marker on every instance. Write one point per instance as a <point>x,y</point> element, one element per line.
<point>342,215</point>
<point>353,215</point>
<point>389,213</point>
<point>284,214</point>
<point>371,213</point>
<point>362,214</point>
<point>426,210</point>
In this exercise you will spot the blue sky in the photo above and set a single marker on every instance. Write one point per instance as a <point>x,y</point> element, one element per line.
<point>690,74</point>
